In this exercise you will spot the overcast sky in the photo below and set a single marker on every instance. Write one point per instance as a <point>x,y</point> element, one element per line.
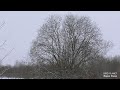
<point>21,28</point>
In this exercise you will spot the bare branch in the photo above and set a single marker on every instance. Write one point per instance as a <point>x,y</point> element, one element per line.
<point>2,25</point>
<point>3,43</point>
<point>4,71</point>
<point>6,54</point>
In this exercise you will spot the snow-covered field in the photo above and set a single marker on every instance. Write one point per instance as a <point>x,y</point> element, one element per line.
<point>10,78</point>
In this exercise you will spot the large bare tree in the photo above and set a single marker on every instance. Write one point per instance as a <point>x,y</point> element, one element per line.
<point>67,43</point>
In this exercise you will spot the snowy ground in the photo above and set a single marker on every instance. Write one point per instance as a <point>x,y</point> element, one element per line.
<point>10,78</point>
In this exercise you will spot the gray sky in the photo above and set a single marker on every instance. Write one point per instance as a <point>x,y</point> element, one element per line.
<point>21,28</point>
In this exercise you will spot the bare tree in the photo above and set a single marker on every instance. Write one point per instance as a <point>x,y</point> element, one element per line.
<point>66,44</point>
<point>1,70</point>
<point>1,26</point>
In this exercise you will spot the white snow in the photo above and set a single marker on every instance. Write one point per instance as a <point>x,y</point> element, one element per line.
<point>10,78</point>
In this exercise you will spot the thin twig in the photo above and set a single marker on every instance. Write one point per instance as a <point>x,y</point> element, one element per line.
<point>6,54</point>
<point>3,43</point>
<point>4,71</point>
<point>2,24</point>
